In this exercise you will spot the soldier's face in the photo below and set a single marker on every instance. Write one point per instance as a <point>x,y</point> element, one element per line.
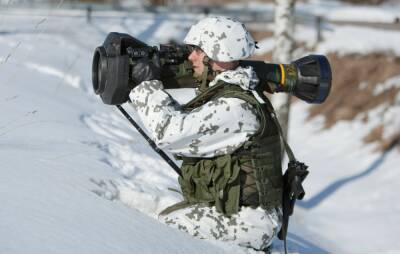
<point>196,57</point>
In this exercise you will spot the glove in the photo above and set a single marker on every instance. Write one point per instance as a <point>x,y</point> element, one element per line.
<point>146,69</point>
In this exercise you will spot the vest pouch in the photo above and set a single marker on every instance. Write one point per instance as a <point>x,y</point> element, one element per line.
<point>214,180</point>
<point>268,171</point>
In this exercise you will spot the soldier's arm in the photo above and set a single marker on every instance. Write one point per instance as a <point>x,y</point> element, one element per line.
<point>218,127</point>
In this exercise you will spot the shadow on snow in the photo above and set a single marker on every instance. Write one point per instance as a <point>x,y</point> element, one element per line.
<point>329,190</point>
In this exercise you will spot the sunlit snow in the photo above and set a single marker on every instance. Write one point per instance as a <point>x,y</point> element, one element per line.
<point>77,178</point>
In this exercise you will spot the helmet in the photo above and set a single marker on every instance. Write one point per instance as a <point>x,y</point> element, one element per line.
<point>222,39</point>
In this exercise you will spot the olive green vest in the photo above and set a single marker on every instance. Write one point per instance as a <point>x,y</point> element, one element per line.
<point>251,176</point>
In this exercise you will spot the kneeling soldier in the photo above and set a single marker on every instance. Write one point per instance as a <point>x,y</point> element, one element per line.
<point>230,147</point>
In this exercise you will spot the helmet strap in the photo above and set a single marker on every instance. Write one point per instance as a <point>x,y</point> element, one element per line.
<point>207,72</point>
<point>204,75</point>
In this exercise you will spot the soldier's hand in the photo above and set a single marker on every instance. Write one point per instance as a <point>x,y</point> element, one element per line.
<point>146,69</point>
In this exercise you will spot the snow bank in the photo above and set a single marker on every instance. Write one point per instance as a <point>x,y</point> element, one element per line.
<point>60,191</point>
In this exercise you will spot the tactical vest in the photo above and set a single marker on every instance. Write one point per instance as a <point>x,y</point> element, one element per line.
<point>251,176</point>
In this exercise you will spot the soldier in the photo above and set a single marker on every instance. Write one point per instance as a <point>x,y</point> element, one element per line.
<point>231,172</point>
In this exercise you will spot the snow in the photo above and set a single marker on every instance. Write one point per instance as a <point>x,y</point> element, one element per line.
<point>337,11</point>
<point>342,39</point>
<point>57,176</point>
<point>332,10</point>
<point>77,178</point>
<point>350,197</point>
<point>363,14</point>
<point>393,82</point>
<point>350,39</point>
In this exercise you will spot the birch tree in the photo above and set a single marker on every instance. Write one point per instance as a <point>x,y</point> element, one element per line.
<point>283,51</point>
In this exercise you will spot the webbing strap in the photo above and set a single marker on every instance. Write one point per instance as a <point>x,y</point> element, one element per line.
<point>285,219</point>
<point>285,143</point>
<point>203,97</point>
<point>177,206</point>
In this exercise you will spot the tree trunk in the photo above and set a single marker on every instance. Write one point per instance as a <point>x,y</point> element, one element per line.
<point>284,38</point>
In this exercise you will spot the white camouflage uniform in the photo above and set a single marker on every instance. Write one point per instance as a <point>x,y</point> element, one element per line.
<point>218,127</point>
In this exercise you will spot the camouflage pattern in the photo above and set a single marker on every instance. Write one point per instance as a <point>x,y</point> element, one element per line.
<point>251,228</point>
<point>245,77</point>
<point>222,39</point>
<point>218,127</point>
<point>259,162</point>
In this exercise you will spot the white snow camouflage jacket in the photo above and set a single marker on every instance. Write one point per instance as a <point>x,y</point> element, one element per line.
<point>218,127</point>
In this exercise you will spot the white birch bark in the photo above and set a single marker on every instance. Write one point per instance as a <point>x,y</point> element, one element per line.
<point>284,38</point>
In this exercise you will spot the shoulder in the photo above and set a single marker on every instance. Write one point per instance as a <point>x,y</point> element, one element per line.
<point>233,91</point>
<point>244,77</point>
<point>232,106</point>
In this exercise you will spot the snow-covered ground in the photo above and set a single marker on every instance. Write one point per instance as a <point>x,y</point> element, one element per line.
<point>333,10</point>
<point>75,177</point>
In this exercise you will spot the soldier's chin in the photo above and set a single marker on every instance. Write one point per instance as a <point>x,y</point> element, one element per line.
<point>197,75</point>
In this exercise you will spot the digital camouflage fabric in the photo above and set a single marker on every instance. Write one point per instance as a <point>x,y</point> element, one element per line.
<point>206,131</point>
<point>217,128</point>
<point>251,228</point>
<point>250,176</point>
<point>222,39</point>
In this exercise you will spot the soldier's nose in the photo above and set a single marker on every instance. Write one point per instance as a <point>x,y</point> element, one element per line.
<point>192,56</point>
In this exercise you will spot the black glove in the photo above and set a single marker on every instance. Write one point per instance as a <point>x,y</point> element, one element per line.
<point>146,69</point>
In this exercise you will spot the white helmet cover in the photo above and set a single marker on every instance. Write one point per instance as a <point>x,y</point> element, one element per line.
<point>222,39</point>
